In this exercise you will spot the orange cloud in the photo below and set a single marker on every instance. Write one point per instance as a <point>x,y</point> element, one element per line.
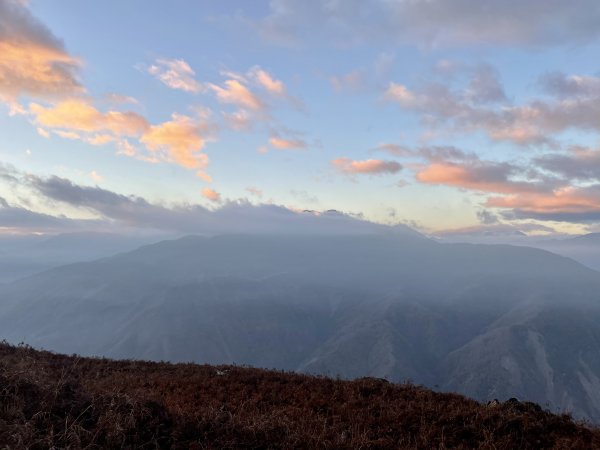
<point>211,195</point>
<point>32,61</point>
<point>78,115</point>
<point>252,93</point>
<point>369,166</point>
<point>37,71</point>
<point>286,144</point>
<point>182,138</point>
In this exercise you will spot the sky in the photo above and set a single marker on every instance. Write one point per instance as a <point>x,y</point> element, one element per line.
<point>449,116</point>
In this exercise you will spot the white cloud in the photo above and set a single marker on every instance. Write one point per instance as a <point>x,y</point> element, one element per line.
<point>176,74</point>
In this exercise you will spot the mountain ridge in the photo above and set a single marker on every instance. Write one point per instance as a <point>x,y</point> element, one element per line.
<point>398,307</point>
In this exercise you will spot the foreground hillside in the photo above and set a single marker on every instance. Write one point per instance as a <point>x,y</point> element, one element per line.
<point>50,400</point>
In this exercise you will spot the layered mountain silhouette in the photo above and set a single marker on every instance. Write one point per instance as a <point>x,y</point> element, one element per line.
<point>488,321</point>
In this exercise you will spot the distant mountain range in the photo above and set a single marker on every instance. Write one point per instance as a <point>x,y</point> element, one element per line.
<point>489,321</point>
<point>22,256</point>
<point>584,248</point>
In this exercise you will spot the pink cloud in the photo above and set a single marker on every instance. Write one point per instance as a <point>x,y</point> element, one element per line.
<point>280,143</point>
<point>479,176</point>
<point>568,199</point>
<point>369,166</point>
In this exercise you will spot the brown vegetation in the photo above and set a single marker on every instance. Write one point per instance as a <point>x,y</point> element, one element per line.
<point>49,400</point>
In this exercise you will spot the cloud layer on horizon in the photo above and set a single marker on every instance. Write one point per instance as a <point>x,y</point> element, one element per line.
<point>118,212</point>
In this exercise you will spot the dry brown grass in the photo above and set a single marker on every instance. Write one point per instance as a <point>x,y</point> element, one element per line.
<point>55,401</point>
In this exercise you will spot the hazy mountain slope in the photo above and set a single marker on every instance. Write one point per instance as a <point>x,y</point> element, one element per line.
<point>478,319</point>
<point>391,339</point>
<point>22,256</point>
<point>585,249</point>
<point>551,355</point>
